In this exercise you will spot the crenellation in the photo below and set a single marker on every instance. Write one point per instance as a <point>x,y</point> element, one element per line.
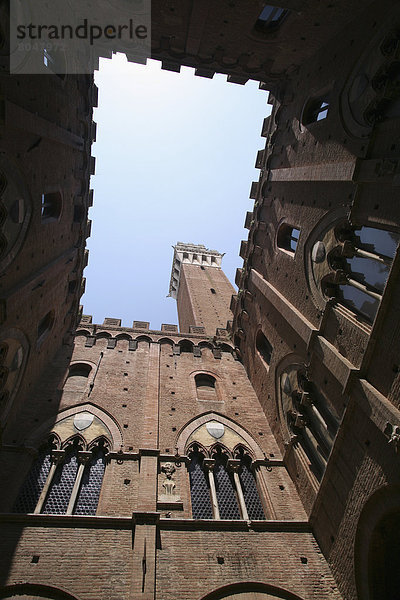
<point>252,451</point>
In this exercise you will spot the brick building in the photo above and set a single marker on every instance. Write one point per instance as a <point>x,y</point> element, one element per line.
<point>248,454</point>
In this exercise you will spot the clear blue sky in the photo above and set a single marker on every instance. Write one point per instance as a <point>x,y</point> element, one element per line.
<point>175,160</point>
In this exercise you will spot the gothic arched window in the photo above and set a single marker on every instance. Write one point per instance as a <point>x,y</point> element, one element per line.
<point>308,418</point>
<point>35,480</point>
<point>249,486</point>
<point>223,487</point>
<point>199,486</point>
<point>64,481</point>
<point>353,265</point>
<point>92,479</point>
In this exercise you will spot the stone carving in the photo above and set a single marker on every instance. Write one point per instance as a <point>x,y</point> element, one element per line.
<point>215,429</point>
<point>318,252</point>
<point>168,483</point>
<point>393,433</point>
<point>83,420</point>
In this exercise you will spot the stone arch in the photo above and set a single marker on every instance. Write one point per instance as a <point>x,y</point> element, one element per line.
<point>15,211</point>
<point>197,422</point>
<point>255,589</point>
<point>110,423</point>
<point>123,336</point>
<point>220,394</point>
<point>14,352</point>
<point>165,341</point>
<point>185,345</point>
<point>78,368</point>
<point>328,221</point>
<point>103,334</point>
<point>205,344</point>
<point>75,439</point>
<point>379,521</point>
<point>143,338</point>
<point>308,422</point>
<point>289,360</point>
<point>82,332</point>
<point>227,348</point>
<point>28,591</point>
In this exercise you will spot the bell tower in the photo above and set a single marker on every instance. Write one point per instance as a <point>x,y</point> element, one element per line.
<point>200,287</point>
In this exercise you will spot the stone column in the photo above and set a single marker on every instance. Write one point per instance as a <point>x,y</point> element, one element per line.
<point>209,464</point>
<point>233,465</point>
<point>83,459</point>
<point>57,457</point>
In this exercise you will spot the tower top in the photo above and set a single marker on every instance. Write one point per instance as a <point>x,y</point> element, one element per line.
<point>191,254</point>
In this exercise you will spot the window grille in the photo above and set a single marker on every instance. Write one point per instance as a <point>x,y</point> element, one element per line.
<point>199,488</point>
<point>250,491</point>
<point>225,488</point>
<point>34,483</point>
<point>73,479</point>
<point>89,492</point>
<point>218,486</point>
<point>62,484</point>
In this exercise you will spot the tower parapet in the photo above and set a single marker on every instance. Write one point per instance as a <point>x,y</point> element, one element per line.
<point>191,254</point>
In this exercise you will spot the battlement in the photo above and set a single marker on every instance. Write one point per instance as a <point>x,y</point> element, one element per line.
<point>191,254</point>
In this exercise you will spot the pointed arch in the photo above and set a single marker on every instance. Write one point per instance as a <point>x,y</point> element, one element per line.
<point>219,448</point>
<point>75,439</point>
<point>111,424</point>
<point>190,427</point>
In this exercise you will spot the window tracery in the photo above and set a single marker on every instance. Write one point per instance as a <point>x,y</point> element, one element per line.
<point>223,484</point>
<point>64,479</point>
<point>352,264</point>
<point>309,420</point>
